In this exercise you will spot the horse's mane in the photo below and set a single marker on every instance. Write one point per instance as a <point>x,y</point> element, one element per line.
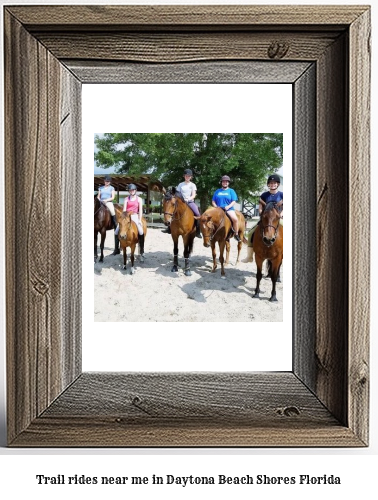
<point>172,192</point>
<point>272,205</point>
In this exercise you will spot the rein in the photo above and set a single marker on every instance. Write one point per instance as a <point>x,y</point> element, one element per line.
<point>174,212</point>
<point>221,224</point>
<point>262,228</point>
<point>99,208</point>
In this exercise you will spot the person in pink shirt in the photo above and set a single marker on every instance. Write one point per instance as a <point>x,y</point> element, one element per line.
<point>134,205</point>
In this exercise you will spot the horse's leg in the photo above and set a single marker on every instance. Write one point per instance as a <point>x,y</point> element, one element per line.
<point>187,247</point>
<point>132,247</point>
<point>124,256</point>
<point>268,269</point>
<point>259,263</point>
<point>95,246</point>
<point>275,270</point>
<point>221,257</point>
<point>175,253</point>
<point>240,244</point>
<point>228,246</point>
<point>103,236</point>
<point>213,251</point>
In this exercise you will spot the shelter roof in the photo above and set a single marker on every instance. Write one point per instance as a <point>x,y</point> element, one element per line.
<point>121,181</point>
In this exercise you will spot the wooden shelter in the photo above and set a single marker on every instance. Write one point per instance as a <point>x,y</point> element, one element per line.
<point>120,182</point>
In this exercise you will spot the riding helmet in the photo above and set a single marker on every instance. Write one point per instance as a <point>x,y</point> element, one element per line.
<point>131,186</point>
<point>188,172</point>
<point>274,178</point>
<point>108,178</point>
<point>225,178</point>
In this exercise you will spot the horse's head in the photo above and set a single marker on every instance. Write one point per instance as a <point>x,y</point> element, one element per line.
<point>207,228</point>
<point>169,205</point>
<point>124,221</point>
<point>270,221</point>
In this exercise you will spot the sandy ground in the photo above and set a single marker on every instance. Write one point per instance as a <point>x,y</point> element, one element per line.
<point>154,293</point>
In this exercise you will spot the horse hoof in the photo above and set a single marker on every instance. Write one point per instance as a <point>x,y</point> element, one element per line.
<point>223,277</point>
<point>256,296</point>
<point>132,271</point>
<point>278,280</point>
<point>141,258</point>
<point>187,273</point>
<point>101,260</point>
<point>124,267</point>
<point>174,269</point>
<point>273,299</point>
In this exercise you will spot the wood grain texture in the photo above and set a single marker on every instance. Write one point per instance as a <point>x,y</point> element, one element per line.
<point>34,250</point>
<point>71,172</point>
<point>332,229</point>
<point>304,224</point>
<point>324,402</point>
<point>184,16</point>
<point>180,47</point>
<point>193,409</point>
<point>200,72</point>
<point>359,237</point>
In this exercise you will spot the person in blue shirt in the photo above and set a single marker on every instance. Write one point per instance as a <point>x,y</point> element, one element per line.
<point>106,195</point>
<point>273,195</point>
<point>225,198</point>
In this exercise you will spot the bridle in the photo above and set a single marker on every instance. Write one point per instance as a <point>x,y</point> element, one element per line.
<point>175,210</point>
<point>128,228</point>
<point>262,228</point>
<point>221,224</point>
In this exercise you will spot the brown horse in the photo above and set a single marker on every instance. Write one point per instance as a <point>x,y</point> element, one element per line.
<point>102,223</point>
<point>268,244</point>
<point>181,219</point>
<point>216,227</point>
<point>128,237</point>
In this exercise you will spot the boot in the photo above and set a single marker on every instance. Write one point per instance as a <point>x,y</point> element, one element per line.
<point>198,229</point>
<point>116,250</point>
<point>168,230</point>
<point>141,247</point>
<point>249,257</point>
<point>114,221</point>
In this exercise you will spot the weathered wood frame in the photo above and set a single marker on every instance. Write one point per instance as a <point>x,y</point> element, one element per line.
<point>49,52</point>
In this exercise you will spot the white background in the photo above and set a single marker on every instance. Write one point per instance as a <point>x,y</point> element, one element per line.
<point>356,467</point>
<point>189,346</point>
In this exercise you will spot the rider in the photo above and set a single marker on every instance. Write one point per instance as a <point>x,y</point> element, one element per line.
<point>273,195</point>
<point>134,205</point>
<point>188,190</point>
<point>225,198</point>
<point>106,195</point>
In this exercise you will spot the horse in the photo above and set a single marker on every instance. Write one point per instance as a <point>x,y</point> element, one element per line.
<point>181,219</point>
<point>268,244</point>
<point>102,223</point>
<point>216,227</point>
<point>128,237</point>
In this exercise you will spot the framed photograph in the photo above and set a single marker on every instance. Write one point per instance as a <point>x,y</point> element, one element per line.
<point>324,53</point>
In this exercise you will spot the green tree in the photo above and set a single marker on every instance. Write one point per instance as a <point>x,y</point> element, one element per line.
<point>246,158</point>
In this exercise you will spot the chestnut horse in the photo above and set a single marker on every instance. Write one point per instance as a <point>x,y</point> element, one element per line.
<point>268,244</point>
<point>128,237</point>
<point>216,227</point>
<point>102,223</point>
<point>181,218</point>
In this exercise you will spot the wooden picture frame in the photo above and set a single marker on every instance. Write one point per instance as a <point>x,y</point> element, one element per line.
<point>324,52</point>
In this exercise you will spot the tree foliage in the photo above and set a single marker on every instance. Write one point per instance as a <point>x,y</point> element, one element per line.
<point>247,158</point>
